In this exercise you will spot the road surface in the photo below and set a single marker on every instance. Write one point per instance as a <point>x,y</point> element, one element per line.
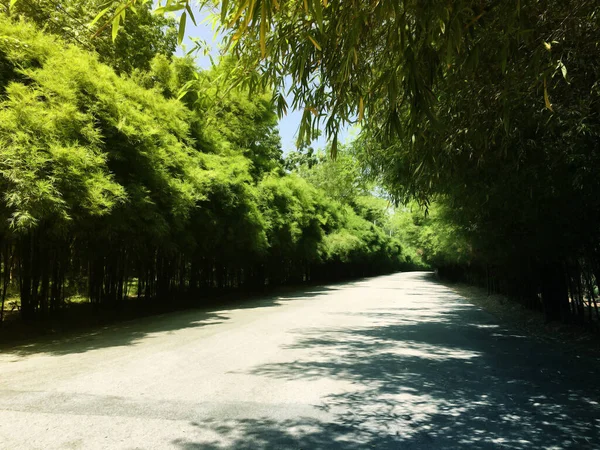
<point>394,362</point>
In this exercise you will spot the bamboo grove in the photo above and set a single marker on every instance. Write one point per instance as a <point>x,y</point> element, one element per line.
<point>489,108</point>
<point>511,153</point>
<point>118,185</point>
<point>484,113</point>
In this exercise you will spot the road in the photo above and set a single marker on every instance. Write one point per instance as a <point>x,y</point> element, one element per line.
<point>391,362</point>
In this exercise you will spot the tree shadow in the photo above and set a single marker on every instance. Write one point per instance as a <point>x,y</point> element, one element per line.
<point>133,332</point>
<point>440,376</point>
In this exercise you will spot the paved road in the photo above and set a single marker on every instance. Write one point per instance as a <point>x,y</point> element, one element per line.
<point>391,362</point>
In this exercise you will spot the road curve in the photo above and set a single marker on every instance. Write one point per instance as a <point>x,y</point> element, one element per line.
<point>394,362</point>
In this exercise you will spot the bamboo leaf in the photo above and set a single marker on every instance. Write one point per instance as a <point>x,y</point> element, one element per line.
<point>546,97</point>
<point>239,13</point>
<point>224,9</point>
<point>318,8</point>
<point>361,109</point>
<point>116,22</point>
<point>166,9</point>
<point>563,69</point>
<point>334,146</point>
<point>315,43</point>
<point>99,16</point>
<point>191,14</point>
<point>181,32</point>
<point>263,30</point>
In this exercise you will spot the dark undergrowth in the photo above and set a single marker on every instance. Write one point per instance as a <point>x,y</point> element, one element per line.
<point>581,339</point>
<point>86,316</point>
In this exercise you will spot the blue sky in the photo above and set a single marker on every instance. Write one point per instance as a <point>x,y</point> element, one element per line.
<point>288,125</point>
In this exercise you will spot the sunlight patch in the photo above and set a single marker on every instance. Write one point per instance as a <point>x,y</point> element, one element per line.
<point>434,352</point>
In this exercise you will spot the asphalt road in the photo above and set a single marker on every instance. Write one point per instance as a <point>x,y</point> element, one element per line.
<point>391,362</point>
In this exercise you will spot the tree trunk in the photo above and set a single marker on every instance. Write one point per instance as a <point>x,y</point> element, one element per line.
<point>555,295</point>
<point>7,267</point>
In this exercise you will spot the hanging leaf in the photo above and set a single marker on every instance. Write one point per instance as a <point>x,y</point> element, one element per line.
<point>181,33</point>
<point>115,26</point>
<point>191,14</point>
<point>546,97</point>
<point>563,70</point>
<point>318,8</point>
<point>98,17</point>
<point>238,14</point>
<point>224,10</point>
<point>334,146</point>
<point>315,43</point>
<point>263,30</point>
<point>361,109</point>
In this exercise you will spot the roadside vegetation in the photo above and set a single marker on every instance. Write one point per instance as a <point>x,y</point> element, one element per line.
<point>129,175</point>
<point>128,172</point>
<point>487,110</point>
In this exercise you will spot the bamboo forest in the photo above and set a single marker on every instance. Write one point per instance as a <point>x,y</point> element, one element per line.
<point>127,171</point>
<point>115,185</point>
<point>299,224</point>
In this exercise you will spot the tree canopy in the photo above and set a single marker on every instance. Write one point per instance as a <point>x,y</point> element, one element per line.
<point>117,185</point>
<point>484,113</point>
<point>382,63</point>
<point>489,107</point>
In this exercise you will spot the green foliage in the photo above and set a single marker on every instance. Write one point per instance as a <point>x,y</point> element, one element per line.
<point>248,124</point>
<point>512,153</point>
<point>340,178</point>
<point>142,36</point>
<point>363,241</point>
<point>490,108</point>
<point>430,237</point>
<point>384,62</point>
<point>118,185</point>
<point>225,121</point>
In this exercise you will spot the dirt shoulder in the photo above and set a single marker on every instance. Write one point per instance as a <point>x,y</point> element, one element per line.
<point>569,337</point>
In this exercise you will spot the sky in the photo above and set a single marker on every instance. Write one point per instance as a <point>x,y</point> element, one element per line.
<point>288,125</point>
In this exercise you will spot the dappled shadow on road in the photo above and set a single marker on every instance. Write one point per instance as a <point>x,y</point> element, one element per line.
<point>133,332</point>
<point>441,375</point>
<point>301,433</point>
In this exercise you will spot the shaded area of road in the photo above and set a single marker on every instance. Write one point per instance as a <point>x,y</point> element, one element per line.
<point>390,362</point>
